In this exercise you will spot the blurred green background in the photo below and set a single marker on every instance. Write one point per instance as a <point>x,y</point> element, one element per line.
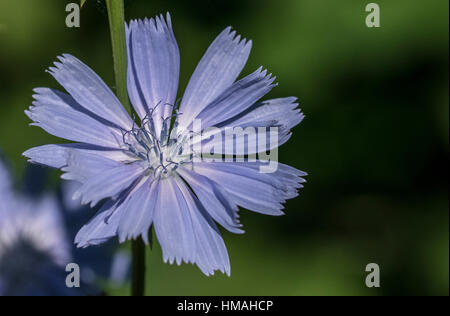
<point>375,140</point>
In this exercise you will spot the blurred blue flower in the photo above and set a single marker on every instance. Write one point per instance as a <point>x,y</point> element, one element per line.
<point>105,263</point>
<point>147,170</point>
<point>34,248</point>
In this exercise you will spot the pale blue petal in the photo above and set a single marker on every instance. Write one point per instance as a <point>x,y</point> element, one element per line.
<point>140,209</point>
<point>135,92</point>
<point>260,192</point>
<point>102,227</point>
<point>55,98</point>
<point>82,166</point>
<point>214,199</point>
<point>153,67</point>
<point>56,155</point>
<point>59,115</point>
<point>237,98</point>
<point>286,178</point>
<point>276,112</point>
<point>214,143</point>
<point>89,90</point>
<point>281,114</point>
<point>109,184</point>
<point>173,225</point>
<point>210,253</point>
<point>216,72</point>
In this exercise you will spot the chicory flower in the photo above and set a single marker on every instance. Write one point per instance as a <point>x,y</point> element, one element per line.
<point>151,170</point>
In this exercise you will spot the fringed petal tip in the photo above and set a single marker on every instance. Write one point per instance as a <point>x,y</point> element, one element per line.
<point>159,22</point>
<point>216,72</point>
<point>237,39</point>
<point>208,271</point>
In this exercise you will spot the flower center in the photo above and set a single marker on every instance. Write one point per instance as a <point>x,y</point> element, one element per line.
<point>162,153</point>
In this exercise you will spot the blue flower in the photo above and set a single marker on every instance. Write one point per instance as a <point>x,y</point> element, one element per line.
<point>34,248</point>
<point>107,263</point>
<point>152,171</point>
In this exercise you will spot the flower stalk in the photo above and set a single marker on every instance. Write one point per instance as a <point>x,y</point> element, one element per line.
<point>138,277</point>
<point>116,17</point>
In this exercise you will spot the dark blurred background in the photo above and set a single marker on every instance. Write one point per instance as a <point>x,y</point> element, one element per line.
<point>375,140</point>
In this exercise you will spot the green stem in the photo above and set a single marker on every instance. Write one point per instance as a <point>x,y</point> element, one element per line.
<point>138,277</point>
<point>116,18</point>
